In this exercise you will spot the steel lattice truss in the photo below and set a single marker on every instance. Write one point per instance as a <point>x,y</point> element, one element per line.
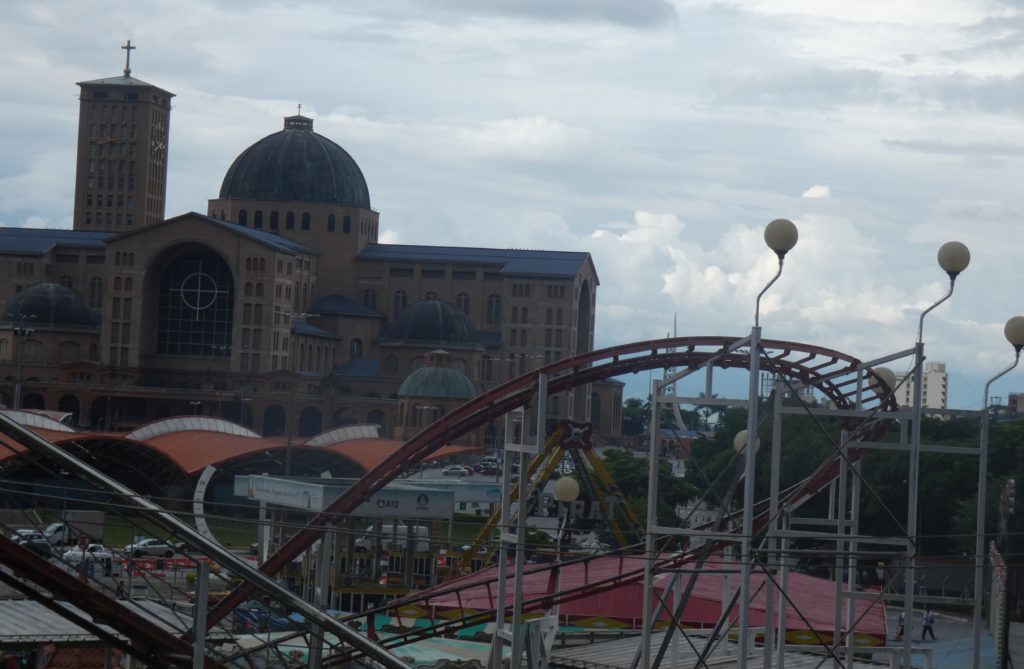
<point>839,377</point>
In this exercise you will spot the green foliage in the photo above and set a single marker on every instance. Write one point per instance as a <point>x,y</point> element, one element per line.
<point>947,485</point>
<point>630,473</point>
<point>636,414</point>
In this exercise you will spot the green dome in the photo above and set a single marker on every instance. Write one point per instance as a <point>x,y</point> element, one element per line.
<point>437,380</point>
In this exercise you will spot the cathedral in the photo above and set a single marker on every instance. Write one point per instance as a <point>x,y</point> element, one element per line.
<point>277,307</point>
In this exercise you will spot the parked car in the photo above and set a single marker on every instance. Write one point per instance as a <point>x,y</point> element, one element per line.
<point>92,552</point>
<point>26,535</point>
<point>152,548</point>
<point>37,543</point>
<point>489,470</point>
<point>457,470</point>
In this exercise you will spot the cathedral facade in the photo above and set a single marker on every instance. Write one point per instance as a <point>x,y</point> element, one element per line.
<point>276,307</point>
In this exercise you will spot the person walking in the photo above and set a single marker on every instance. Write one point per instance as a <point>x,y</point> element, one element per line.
<point>899,629</point>
<point>926,624</point>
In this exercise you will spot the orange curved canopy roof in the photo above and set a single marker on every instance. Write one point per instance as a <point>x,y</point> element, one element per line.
<point>194,450</point>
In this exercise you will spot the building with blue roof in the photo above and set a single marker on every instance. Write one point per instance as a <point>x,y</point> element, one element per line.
<point>276,306</point>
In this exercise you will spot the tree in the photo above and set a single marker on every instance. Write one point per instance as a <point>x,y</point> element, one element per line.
<point>636,415</point>
<point>630,474</point>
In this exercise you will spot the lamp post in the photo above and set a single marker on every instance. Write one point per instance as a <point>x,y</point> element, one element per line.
<point>222,350</point>
<point>781,236</point>
<point>195,404</point>
<point>567,491</point>
<point>953,258</point>
<point>1014,333</point>
<point>20,332</point>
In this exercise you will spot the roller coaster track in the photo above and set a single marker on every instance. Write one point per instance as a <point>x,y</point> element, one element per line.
<point>839,377</point>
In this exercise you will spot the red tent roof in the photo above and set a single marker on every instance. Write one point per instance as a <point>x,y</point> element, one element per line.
<point>811,597</point>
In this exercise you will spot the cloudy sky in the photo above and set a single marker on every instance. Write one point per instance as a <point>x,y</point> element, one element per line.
<point>660,135</point>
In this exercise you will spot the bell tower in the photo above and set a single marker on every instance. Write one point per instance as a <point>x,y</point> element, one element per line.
<point>121,176</point>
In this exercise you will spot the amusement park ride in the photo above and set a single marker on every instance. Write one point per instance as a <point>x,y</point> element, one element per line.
<point>756,547</point>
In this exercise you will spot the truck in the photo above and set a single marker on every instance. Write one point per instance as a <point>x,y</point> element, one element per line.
<point>76,524</point>
<point>393,538</point>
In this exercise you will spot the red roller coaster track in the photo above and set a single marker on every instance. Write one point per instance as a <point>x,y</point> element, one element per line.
<point>832,373</point>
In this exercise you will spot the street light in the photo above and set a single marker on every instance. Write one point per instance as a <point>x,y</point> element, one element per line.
<point>1014,333</point>
<point>20,331</point>
<point>567,490</point>
<point>781,236</point>
<point>953,258</point>
<point>195,404</point>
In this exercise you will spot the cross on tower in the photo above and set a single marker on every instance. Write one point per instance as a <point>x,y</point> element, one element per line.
<point>128,57</point>
<point>300,109</point>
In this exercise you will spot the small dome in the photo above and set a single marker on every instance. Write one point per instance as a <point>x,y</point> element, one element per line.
<point>296,165</point>
<point>438,380</point>
<point>49,304</point>
<point>432,323</point>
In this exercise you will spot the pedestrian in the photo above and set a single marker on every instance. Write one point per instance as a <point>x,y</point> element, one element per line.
<point>899,629</point>
<point>926,624</point>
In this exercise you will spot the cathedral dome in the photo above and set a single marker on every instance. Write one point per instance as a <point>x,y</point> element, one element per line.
<point>296,165</point>
<point>431,323</point>
<point>49,304</point>
<point>438,380</point>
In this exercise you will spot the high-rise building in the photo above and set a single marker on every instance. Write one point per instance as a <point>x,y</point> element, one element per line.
<point>121,177</point>
<point>933,390</point>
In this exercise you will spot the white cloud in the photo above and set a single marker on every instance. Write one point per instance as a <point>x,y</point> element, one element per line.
<point>817,192</point>
<point>661,137</point>
<point>533,138</point>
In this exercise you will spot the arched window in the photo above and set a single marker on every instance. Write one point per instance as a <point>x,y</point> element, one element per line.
<point>128,283</point>
<point>273,220</point>
<point>370,298</point>
<point>515,314</point>
<point>355,349</point>
<point>248,264</point>
<point>263,264</point>
<point>117,283</point>
<point>243,217</point>
<point>95,292</point>
<point>523,318</point>
<point>289,221</point>
<point>346,224</point>
<point>258,219</point>
<point>196,323</point>
<point>401,299</point>
<point>493,316</point>
<point>66,281</point>
<point>431,295</point>
<point>391,364</point>
<point>305,220</point>
<point>248,290</point>
<point>259,290</point>
<point>331,223</point>
<point>462,303</point>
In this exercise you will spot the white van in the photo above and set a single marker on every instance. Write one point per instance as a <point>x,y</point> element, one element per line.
<point>391,540</point>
